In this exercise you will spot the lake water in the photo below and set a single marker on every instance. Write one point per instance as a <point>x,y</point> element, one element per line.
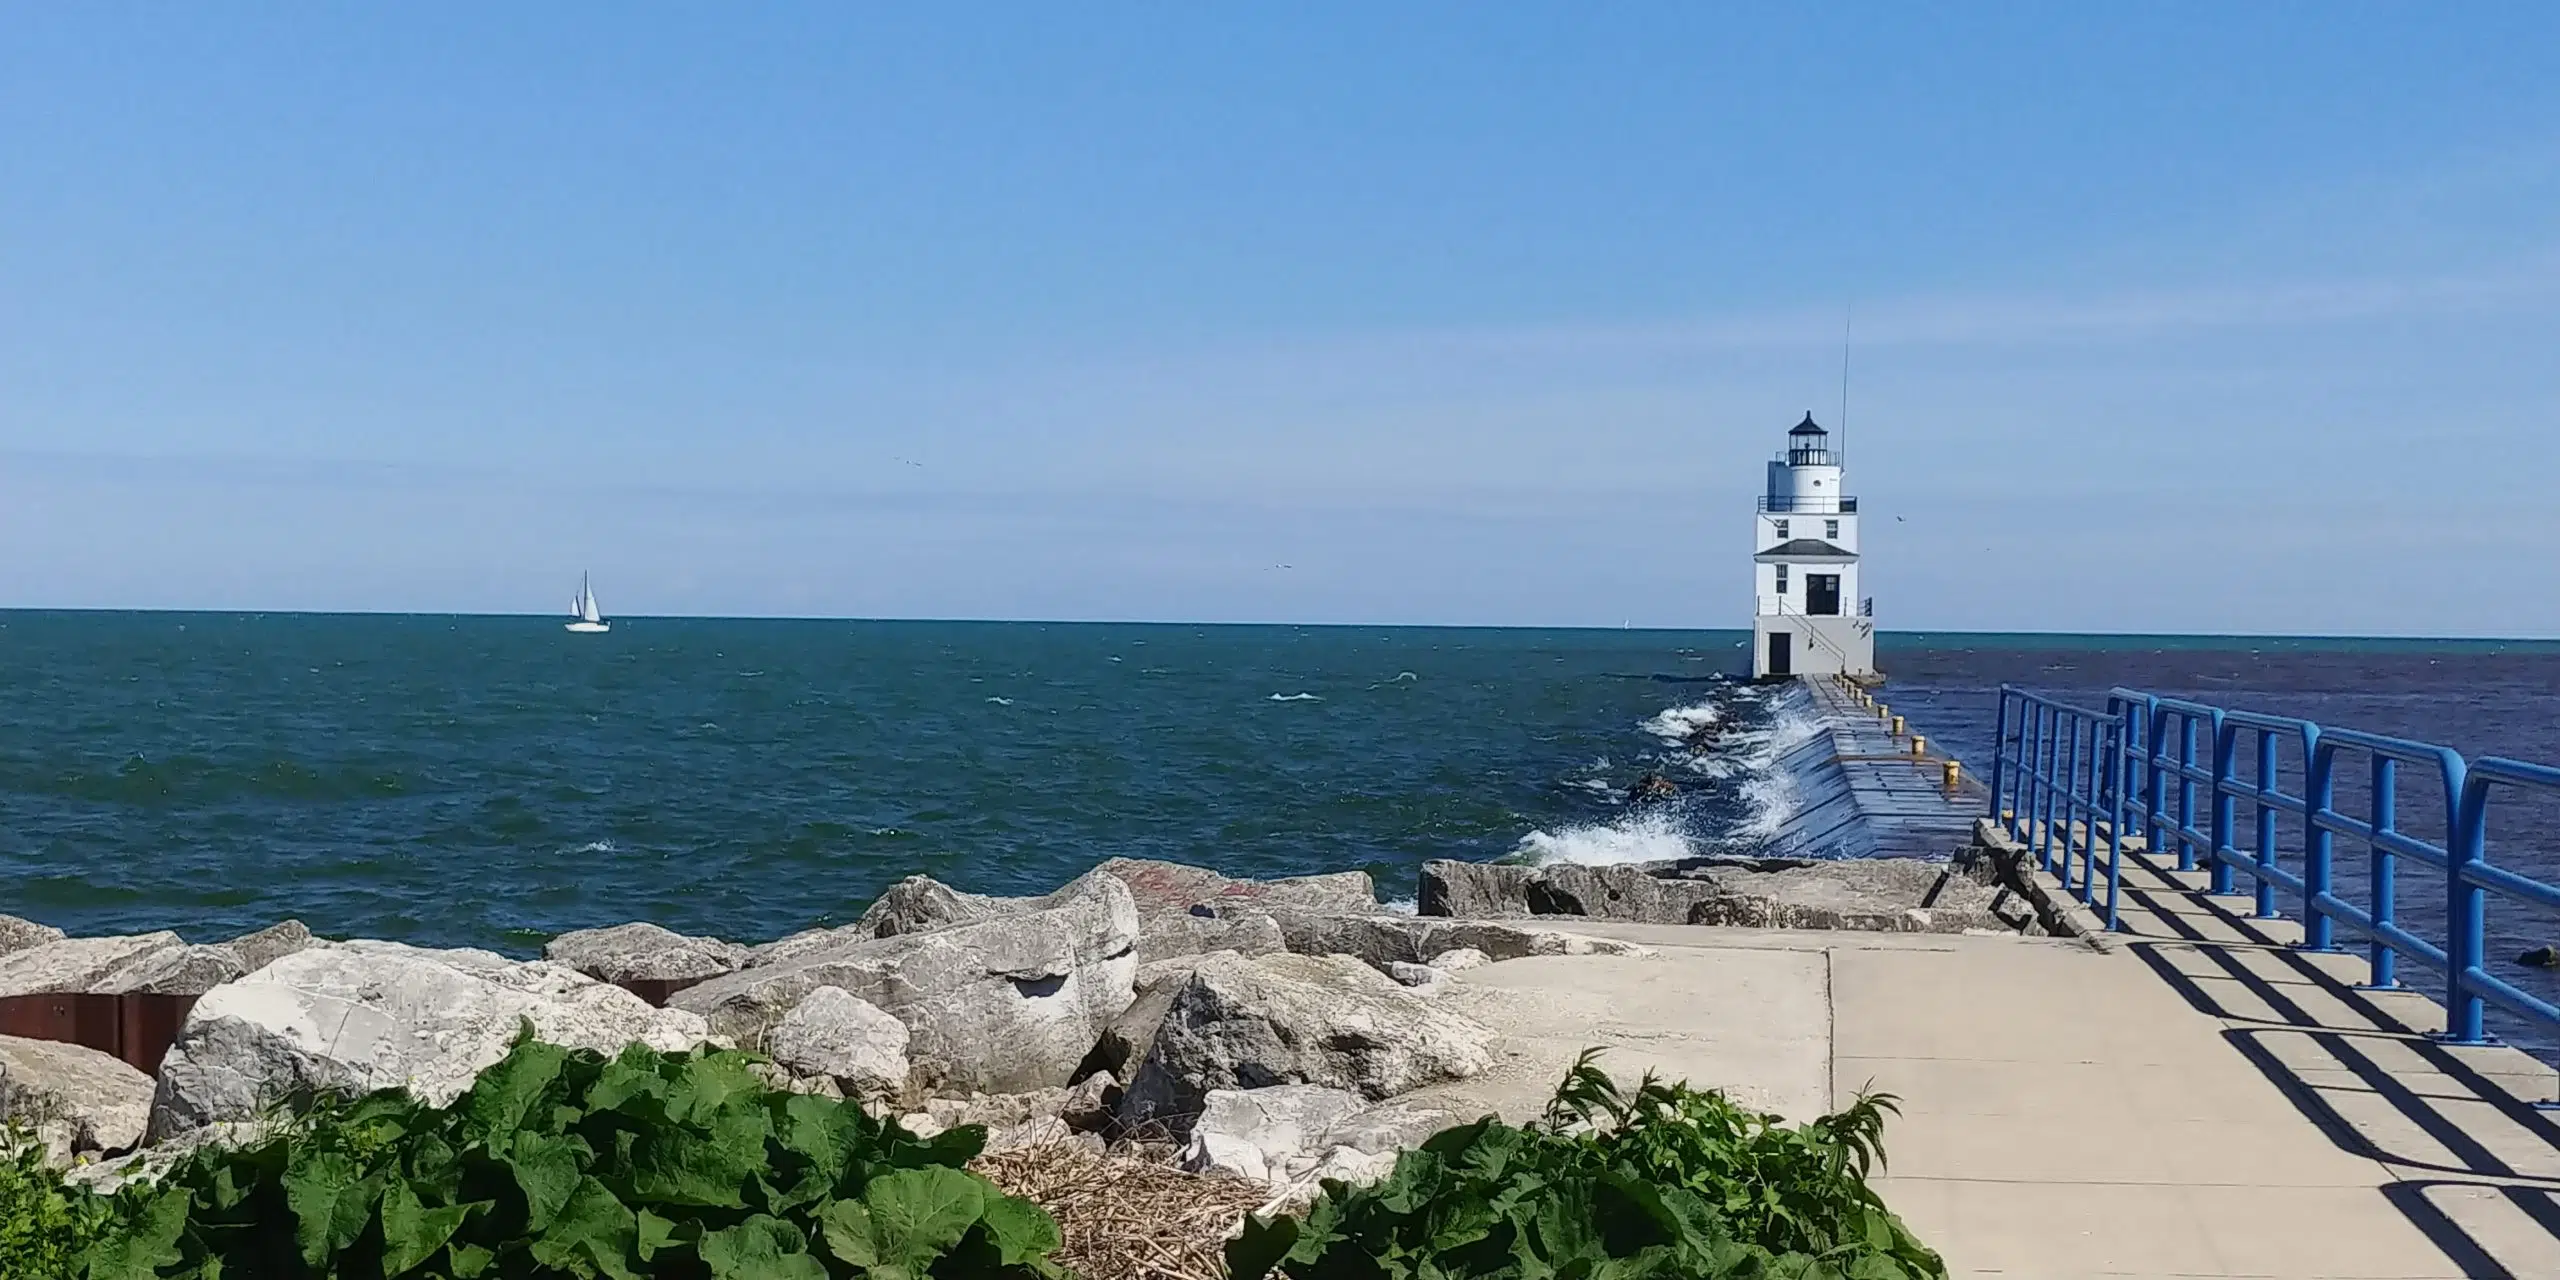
<point>494,781</point>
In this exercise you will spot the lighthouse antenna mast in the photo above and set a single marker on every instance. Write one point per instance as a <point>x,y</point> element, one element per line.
<point>1845,322</point>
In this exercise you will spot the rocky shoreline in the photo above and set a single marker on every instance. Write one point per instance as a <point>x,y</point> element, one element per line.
<point>1265,1029</point>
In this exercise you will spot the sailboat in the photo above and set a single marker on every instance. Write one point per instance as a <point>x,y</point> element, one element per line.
<point>583,610</point>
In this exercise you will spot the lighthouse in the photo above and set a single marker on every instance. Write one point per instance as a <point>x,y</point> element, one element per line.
<point>1808,618</point>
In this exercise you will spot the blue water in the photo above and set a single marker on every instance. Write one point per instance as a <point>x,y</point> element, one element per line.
<point>493,781</point>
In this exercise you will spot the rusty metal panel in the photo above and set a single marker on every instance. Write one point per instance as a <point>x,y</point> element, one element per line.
<point>147,1025</point>
<point>137,1029</point>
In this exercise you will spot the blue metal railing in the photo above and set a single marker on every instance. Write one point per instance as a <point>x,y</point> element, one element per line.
<point>2057,772</point>
<point>2161,755</point>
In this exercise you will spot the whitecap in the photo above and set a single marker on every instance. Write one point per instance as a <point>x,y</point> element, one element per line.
<point>1295,697</point>
<point>1675,724</point>
<point>1401,906</point>
<point>1001,702</point>
<point>594,846</point>
<point>1648,837</point>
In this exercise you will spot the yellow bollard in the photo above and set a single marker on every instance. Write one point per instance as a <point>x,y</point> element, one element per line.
<point>1955,774</point>
<point>1897,726</point>
<point>1919,745</point>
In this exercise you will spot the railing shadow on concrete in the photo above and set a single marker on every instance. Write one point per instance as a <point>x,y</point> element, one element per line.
<point>2079,775</point>
<point>2425,1130</point>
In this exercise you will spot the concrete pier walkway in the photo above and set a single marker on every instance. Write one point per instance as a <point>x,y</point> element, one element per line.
<point>2187,1099</point>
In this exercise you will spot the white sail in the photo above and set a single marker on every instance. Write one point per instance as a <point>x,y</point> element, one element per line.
<point>587,617</point>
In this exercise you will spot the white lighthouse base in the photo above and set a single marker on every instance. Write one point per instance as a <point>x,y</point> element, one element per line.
<point>1796,644</point>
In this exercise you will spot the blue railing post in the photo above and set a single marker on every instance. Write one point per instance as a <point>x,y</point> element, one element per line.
<point>2382,868</point>
<point>2117,764</point>
<point>2186,791</point>
<point>2069,777</point>
<point>2319,790</point>
<point>2267,778</point>
<point>2152,797</point>
<point>1999,746</point>
<point>2048,752</point>
<point>2466,910</point>
<point>2225,741</point>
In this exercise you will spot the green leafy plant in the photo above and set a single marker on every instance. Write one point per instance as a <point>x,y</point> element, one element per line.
<point>561,1163</point>
<point>1666,1181</point>
<point>43,1224</point>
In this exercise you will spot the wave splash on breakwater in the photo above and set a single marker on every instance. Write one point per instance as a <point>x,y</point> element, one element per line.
<point>1723,754</point>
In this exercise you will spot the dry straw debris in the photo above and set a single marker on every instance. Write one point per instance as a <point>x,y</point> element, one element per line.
<point>1124,1216</point>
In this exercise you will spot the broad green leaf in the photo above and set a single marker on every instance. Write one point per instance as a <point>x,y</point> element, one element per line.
<point>1260,1246</point>
<point>655,1233</point>
<point>546,1170</point>
<point>819,1130</point>
<point>672,1165</point>
<point>469,1261</point>
<point>412,1232</point>
<point>332,1202</point>
<point>434,1168</point>
<point>1022,1231</point>
<point>704,1085</point>
<point>628,1079</point>
<point>761,1248</point>
<point>847,1227</point>
<point>508,1091</point>
<point>139,1245</point>
<point>594,1234</point>
<point>230,1187</point>
<point>918,1214</point>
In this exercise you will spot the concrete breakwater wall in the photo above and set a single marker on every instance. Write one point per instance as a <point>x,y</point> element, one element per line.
<point>1849,786</point>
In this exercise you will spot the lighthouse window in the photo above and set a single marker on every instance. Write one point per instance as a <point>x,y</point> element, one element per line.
<point>1831,528</point>
<point>1782,527</point>
<point>1782,579</point>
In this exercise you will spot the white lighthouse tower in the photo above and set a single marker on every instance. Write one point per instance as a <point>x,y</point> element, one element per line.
<point>1809,618</point>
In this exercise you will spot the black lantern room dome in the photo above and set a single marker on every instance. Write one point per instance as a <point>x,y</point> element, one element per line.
<point>1808,445</point>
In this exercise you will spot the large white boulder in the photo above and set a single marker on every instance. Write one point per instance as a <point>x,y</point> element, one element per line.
<point>79,964</point>
<point>77,1100</point>
<point>1244,1022</point>
<point>845,1038</point>
<point>372,1015</point>
<point>174,971</point>
<point>273,943</point>
<point>18,935</point>
<point>1256,1133</point>
<point>644,953</point>
<point>1003,1004</point>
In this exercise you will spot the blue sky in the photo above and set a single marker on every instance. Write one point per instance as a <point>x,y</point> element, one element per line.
<point>1465,314</point>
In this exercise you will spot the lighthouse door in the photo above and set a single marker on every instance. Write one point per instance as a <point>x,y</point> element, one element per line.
<point>1781,655</point>
<point>1822,594</point>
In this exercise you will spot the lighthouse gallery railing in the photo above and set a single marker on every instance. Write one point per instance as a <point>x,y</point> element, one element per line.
<point>2076,783</point>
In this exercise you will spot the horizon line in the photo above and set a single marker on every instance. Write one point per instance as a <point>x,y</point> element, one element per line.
<point>1904,632</point>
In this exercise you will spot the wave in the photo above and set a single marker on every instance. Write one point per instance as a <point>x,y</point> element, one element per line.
<point>1650,837</point>
<point>1770,794</point>
<point>1675,724</point>
<point>1001,702</point>
<point>1295,697</point>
